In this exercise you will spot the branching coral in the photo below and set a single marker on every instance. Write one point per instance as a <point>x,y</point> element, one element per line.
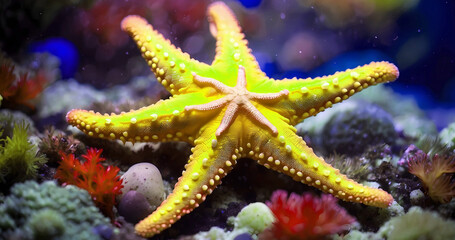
<point>305,217</point>
<point>102,183</point>
<point>435,173</point>
<point>18,157</point>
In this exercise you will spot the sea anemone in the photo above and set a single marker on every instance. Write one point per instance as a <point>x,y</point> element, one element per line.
<point>435,174</point>
<point>19,159</point>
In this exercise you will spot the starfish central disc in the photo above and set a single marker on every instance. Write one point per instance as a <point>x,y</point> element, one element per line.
<point>237,99</point>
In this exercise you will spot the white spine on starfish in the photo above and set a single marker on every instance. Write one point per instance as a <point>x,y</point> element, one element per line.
<point>238,98</point>
<point>228,118</point>
<point>258,115</point>
<point>215,84</point>
<point>208,106</point>
<point>241,79</point>
<point>269,96</point>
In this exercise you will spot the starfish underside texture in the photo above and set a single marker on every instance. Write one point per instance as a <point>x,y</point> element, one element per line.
<point>230,110</point>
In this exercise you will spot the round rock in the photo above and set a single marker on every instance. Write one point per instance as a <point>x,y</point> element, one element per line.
<point>145,179</point>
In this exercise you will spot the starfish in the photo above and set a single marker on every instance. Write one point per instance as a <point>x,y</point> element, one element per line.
<point>231,110</point>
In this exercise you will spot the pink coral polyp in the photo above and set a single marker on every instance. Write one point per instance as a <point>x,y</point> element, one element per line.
<point>306,216</point>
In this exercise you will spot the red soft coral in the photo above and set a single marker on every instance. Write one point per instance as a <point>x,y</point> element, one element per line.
<point>435,174</point>
<point>23,89</point>
<point>305,217</point>
<point>102,183</point>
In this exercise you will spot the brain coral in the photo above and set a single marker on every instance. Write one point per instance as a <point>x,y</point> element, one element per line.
<point>68,213</point>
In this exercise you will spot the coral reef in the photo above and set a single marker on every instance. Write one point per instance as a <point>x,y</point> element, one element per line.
<point>305,217</point>
<point>352,131</point>
<point>100,182</point>
<point>19,159</point>
<point>418,224</point>
<point>47,211</point>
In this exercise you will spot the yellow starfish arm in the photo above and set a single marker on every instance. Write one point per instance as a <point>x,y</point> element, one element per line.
<point>231,47</point>
<point>164,121</point>
<point>296,159</point>
<point>171,66</point>
<point>211,160</point>
<point>307,97</point>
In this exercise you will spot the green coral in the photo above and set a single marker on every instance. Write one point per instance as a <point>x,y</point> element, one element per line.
<point>254,218</point>
<point>46,224</point>
<point>418,224</point>
<point>18,157</point>
<point>47,211</point>
<point>447,135</point>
